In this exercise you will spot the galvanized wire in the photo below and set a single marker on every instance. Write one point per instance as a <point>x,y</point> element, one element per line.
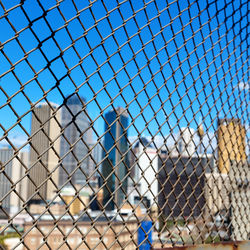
<point>137,109</point>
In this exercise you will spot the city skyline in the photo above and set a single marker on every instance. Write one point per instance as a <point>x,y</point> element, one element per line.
<point>42,115</point>
<point>19,138</point>
<point>163,142</point>
<point>209,140</point>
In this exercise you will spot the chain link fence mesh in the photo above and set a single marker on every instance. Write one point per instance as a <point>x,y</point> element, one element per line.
<point>124,124</point>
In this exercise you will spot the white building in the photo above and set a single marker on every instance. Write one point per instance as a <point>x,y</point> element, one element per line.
<point>144,173</point>
<point>186,143</point>
<point>20,181</point>
<point>13,172</point>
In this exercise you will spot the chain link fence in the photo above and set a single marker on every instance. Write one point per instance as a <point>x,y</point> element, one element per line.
<point>124,124</point>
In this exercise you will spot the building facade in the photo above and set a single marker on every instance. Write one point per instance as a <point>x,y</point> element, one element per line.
<point>14,169</point>
<point>231,136</point>
<point>116,163</point>
<point>21,180</point>
<point>240,196</point>
<point>217,191</point>
<point>182,186</point>
<point>84,237</point>
<point>186,144</point>
<point>144,169</point>
<point>44,152</point>
<point>6,155</point>
<point>75,142</point>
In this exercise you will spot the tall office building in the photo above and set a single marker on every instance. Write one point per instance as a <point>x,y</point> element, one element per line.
<point>116,163</point>
<point>75,142</point>
<point>6,170</point>
<point>44,151</point>
<point>231,143</point>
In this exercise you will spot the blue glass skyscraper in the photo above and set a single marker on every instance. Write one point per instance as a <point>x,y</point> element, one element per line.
<point>116,164</point>
<point>74,147</point>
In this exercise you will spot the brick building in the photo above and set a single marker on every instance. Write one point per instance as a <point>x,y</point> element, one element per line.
<point>82,236</point>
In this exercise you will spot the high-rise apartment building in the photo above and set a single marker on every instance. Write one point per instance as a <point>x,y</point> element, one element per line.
<point>116,163</point>
<point>231,143</point>
<point>44,152</point>
<point>76,164</point>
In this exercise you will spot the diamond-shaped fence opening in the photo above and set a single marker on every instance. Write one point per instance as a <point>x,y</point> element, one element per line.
<point>124,124</point>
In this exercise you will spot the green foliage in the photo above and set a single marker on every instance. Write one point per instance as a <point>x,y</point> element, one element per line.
<point>211,239</point>
<point>169,223</point>
<point>7,236</point>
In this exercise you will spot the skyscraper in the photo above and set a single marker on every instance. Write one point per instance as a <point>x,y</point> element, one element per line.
<point>75,142</point>
<point>44,151</point>
<point>116,163</point>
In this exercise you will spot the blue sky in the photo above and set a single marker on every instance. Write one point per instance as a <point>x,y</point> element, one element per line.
<point>151,67</point>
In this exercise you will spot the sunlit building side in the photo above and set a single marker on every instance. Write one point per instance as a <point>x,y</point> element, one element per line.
<point>44,155</point>
<point>144,164</point>
<point>20,178</point>
<point>231,143</point>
